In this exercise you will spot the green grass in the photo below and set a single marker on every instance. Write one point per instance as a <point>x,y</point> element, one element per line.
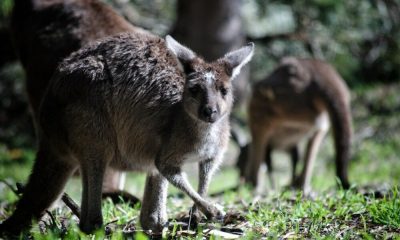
<point>387,210</point>
<point>370,210</point>
<point>331,215</point>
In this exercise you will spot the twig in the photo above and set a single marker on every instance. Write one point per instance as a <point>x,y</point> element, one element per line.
<point>190,217</point>
<point>71,205</point>
<point>53,219</point>
<point>10,187</point>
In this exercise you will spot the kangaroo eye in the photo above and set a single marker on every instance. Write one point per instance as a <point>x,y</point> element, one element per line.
<point>224,91</point>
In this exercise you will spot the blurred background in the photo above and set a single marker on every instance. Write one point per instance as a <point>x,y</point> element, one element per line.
<point>361,39</point>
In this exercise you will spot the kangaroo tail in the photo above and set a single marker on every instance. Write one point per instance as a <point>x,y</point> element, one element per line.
<point>336,97</point>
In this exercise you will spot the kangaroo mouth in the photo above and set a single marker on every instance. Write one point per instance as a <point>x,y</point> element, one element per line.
<point>208,119</point>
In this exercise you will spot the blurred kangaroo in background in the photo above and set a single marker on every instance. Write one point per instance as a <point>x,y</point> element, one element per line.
<point>299,100</point>
<point>133,103</point>
<point>45,32</point>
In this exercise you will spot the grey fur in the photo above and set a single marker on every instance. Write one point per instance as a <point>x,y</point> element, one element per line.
<point>125,102</point>
<point>181,52</point>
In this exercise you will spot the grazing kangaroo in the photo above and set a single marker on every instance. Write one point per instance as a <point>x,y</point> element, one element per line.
<point>45,32</point>
<point>132,103</point>
<point>298,101</point>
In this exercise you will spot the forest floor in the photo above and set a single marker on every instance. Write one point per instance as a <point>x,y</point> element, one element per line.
<point>369,210</point>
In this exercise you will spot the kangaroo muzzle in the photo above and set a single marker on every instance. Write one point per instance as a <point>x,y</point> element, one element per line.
<point>208,114</point>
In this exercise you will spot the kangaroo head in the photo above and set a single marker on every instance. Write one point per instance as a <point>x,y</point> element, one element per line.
<point>298,75</point>
<point>208,89</point>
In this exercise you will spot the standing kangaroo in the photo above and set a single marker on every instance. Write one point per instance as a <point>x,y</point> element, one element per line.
<point>298,101</point>
<point>133,103</point>
<point>45,32</point>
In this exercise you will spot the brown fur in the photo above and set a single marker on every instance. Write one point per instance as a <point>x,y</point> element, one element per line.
<point>292,104</point>
<point>132,102</point>
<point>45,32</point>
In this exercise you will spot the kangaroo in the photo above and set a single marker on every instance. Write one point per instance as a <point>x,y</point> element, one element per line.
<point>299,100</point>
<point>140,103</point>
<point>45,32</point>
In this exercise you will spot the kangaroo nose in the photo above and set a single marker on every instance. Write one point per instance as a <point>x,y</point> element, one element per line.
<point>208,111</point>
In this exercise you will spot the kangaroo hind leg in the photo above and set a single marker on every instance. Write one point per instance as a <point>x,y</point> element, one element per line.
<point>93,167</point>
<point>46,182</point>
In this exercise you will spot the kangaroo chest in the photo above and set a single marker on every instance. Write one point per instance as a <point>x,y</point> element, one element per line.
<point>208,147</point>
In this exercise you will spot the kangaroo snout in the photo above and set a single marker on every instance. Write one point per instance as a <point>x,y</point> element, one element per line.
<point>208,113</point>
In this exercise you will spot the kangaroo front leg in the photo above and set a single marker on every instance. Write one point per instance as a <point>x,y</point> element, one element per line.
<point>175,176</point>
<point>206,170</point>
<point>255,158</point>
<point>153,214</point>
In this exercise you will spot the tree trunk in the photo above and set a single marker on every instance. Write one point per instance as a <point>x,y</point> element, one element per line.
<point>7,54</point>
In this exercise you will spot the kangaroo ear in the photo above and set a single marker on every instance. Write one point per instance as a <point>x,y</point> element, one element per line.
<point>235,60</point>
<point>183,53</point>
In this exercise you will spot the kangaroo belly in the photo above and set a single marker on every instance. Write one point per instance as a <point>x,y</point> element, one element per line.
<point>134,163</point>
<point>136,157</point>
<point>290,132</point>
<point>138,145</point>
<point>286,136</point>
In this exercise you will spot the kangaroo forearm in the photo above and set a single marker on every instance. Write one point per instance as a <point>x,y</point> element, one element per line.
<point>175,176</point>
<point>206,170</point>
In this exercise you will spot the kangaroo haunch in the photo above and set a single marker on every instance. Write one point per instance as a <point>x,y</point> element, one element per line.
<point>134,103</point>
<point>45,32</point>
